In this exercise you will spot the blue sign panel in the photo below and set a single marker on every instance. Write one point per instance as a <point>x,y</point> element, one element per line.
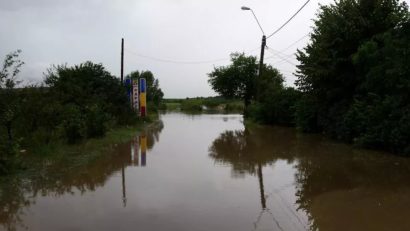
<point>128,83</point>
<point>142,85</point>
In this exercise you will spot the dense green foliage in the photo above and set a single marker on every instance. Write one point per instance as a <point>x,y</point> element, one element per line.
<point>353,79</point>
<point>74,103</point>
<point>274,103</point>
<point>9,109</point>
<point>277,108</point>
<point>91,100</point>
<point>271,101</point>
<point>355,74</point>
<point>235,80</point>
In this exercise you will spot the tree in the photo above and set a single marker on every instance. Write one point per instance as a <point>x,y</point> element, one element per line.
<point>8,82</point>
<point>349,65</point>
<point>91,98</point>
<point>274,103</point>
<point>237,79</point>
<point>9,106</point>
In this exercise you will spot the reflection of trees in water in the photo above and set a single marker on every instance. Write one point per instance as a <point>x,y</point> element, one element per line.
<point>325,168</point>
<point>245,150</point>
<point>248,151</point>
<point>322,168</point>
<point>153,134</point>
<point>12,199</point>
<point>64,175</point>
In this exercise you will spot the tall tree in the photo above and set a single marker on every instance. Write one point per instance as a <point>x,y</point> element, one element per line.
<point>9,109</point>
<point>338,69</point>
<point>237,79</point>
<point>9,99</point>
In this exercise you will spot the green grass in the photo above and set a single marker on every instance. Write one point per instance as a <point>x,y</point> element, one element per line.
<point>44,157</point>
<point>209,103</point>
<point>173,106</point>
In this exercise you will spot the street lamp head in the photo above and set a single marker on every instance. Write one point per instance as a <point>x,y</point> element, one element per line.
<point>245,8</point>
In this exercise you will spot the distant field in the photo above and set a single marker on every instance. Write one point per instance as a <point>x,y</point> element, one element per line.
<point>172,106</point>
<point>201,104</point>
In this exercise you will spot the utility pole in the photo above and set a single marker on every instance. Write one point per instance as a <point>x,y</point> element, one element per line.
<point>262,46</point>
<point>262,54</point>
<point>261,188</point>
<point>124,191</point>
<point>122,61</point>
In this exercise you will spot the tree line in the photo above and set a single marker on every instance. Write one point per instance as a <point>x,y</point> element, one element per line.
<point>353,80</point>
<point>73,103</point>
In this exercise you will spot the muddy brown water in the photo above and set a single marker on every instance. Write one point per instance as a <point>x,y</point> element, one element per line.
<point>209,172</point>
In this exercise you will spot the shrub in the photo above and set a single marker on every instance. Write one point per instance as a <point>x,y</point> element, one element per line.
<point>96,121</point>
<point>74,124</point>
<point>277,107</point>
<point>191,105</point>
<point>8,155</point>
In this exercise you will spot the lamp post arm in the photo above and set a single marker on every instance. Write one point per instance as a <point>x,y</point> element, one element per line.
<point>257,22</point>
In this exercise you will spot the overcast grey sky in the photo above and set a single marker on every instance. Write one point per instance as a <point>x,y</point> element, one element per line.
<point>73,31</point>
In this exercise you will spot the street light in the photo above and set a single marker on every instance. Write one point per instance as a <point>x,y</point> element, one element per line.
<point>263,41</point>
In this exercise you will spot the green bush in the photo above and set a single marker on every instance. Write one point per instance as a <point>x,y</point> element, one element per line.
<point>74,124</point>
<point>354,74</point>
<point>306,114</point>
<point>378,123</point>
<point>191,105</point>
<point>235,106</point>
<point>8,155</point>
<point>277,107</point>
<point>97,121</point>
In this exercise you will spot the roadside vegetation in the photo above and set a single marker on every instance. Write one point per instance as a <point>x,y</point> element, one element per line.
<point>353,79</point>
<point>72,104</point>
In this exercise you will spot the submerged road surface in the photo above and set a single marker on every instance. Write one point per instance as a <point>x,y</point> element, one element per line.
<point>207,172</point>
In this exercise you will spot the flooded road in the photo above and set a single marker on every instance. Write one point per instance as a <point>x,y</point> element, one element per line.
<point>207,172</point>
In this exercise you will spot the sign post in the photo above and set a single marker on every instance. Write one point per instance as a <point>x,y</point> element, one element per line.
<point>135,98</point>
<point>143,97</point>
<point>143,144</point>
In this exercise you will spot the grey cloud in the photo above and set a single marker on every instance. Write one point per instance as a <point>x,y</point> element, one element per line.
<point>55,32</point>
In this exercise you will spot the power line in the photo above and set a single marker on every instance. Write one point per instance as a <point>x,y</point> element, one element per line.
<point>286,48</point>
<point>291,56</point>
<point>276,31</point>
<point>177,61</point>
<point>292,44</point>
<point>183,61</point>
<point>281,57</point>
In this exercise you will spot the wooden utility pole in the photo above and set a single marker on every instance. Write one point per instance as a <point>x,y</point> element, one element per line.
<point>122,61</point>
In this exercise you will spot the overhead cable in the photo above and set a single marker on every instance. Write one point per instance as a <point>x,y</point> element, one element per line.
<point>290,19</point>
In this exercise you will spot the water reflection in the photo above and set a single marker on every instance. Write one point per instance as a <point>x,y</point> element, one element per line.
<point>337,187</point>
<point>209,172</point>
<point>138,153</point>
<point>70,176</point>
<point>248,151</point>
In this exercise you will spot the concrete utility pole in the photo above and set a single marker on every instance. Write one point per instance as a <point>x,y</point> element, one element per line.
<point>262,55</point>
<point>122,61</point>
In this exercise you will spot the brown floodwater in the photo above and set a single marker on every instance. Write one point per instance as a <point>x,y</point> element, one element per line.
<point>209,172</point>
